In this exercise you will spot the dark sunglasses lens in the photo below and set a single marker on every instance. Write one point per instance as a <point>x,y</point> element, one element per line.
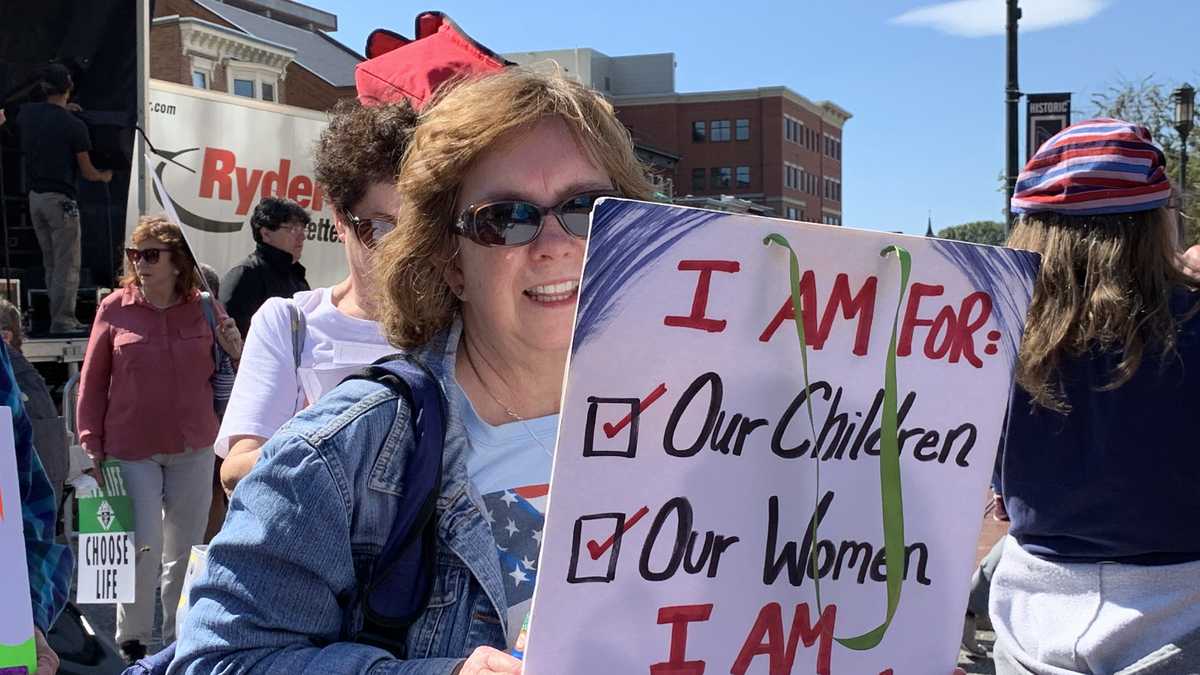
<point>379,228</point>
<point>577,213</point>
<point>150,255</point>
<point>507,223</point>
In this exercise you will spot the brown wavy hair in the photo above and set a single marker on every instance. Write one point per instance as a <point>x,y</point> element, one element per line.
<point>362,145</point>
<point>465,120</point>
<point>167,233</point>
<point>1106,282</point>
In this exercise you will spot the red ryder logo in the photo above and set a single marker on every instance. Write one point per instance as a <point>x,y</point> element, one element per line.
<point>222,175</point>
<point>223,180</point>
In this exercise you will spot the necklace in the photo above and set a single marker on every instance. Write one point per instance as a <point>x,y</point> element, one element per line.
<point>507,411</point>
<point>478,376</point>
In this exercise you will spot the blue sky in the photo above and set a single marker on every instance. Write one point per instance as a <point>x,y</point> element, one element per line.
<point>926,90</point>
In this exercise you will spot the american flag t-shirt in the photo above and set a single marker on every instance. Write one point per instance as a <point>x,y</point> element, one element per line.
<point>517,517</point>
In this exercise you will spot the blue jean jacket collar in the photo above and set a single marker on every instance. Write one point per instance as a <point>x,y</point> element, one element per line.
<point>462,526</point>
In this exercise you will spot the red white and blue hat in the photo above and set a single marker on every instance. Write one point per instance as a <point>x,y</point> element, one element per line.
<point>1094,167</point>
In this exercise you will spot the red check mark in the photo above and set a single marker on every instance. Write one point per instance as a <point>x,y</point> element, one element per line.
<point>597,550</point>
<point>611,430</point>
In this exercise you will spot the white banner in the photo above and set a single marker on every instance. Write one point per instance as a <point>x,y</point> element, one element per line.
<point>219,155</point>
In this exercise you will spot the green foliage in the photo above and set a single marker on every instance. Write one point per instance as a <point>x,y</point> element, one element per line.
<point>977,232</point>
<point>1148,103</point>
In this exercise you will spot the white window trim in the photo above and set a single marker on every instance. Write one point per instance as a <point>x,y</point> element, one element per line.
<point>202,64</point>
<point>256,73</point>
<point>209,46</point>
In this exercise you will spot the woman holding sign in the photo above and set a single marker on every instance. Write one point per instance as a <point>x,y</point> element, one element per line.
<point>478,284</point>
<point>146,402</point>
<point>1101,466</point>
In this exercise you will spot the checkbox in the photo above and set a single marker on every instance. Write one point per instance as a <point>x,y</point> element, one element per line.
<point>593,562</point>
<point>630,408</point>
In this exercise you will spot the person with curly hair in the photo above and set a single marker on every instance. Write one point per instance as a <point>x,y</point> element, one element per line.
<point>299,347</point>
<point>478,283</point>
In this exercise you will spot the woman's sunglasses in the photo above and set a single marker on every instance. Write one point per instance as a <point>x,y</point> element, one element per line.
<point>150,255</point>
<point>369,230</point>
<point>516,222</point>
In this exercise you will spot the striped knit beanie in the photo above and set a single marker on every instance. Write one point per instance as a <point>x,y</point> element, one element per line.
<point>1095,167</point>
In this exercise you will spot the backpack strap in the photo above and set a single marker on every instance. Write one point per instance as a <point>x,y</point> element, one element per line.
<point>210,315</point>
<point>299,331</point>
<point>396,591</point>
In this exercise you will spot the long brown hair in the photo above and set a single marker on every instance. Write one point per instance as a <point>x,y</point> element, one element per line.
<point>466,120</point>
<point>167,233</point>
<point>1106,282</point>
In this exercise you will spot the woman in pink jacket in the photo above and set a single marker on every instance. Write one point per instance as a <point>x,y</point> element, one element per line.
<point>145,401</point>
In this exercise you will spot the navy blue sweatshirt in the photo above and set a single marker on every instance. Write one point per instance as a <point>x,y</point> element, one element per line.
<point>1118,478</point>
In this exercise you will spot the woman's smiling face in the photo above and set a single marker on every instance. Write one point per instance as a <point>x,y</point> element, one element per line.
<point>524,296</point>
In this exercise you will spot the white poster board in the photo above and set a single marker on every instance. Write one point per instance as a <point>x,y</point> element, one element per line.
<point>16,620</point>
<point>691,470</point>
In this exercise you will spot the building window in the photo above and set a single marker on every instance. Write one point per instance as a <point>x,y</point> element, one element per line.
<point>833,189</point>
<point>792,129</point>
<point>698,183</point>
<point>833,147</point>
<point>720,130</point>
<point>791,213</point>
<point>722,177</point>
<point>742,130</point>
<point>243,88</point>
<point>268,91</point>
<point>789,175</point>
<point>698,134</point>
<point>743,177</point>
<point>199,79</point>
<point>803,215</point>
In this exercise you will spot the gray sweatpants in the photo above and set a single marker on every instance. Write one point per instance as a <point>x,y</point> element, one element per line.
<point>56,223</point>
<point>1099,618</point>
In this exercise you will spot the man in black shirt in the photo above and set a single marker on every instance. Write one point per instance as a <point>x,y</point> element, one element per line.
<point>273,270</point>
<point>56,146</point>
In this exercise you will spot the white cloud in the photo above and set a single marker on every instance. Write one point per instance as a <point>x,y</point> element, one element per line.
<point>979,18</point>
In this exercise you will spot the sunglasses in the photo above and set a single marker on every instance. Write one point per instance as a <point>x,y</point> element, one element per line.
<point>516,222</point>
<point>369,230</point>
<point>150,255</point>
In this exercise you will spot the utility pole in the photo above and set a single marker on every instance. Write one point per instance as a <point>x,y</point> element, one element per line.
<point>1012,95</point>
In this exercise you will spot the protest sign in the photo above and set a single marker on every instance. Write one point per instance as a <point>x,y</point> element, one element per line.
<point>17,647</point>
<point>106,545</point>
<point>737,491</point>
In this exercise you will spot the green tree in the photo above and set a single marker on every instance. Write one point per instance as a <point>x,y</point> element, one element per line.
<point>1148,103</point>
<point>977,232</point>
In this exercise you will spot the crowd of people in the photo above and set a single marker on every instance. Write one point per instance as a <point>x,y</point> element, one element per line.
<point>464,229</point>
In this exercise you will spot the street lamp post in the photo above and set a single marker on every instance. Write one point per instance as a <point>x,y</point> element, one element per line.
<point>1185,110</point>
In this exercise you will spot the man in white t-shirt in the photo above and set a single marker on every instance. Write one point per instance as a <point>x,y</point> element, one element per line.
<point>357,158</point>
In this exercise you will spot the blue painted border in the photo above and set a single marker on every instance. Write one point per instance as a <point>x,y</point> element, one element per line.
<point>627,239</point>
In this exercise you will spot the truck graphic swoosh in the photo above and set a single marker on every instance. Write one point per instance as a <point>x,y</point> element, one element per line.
<point>191,219</point>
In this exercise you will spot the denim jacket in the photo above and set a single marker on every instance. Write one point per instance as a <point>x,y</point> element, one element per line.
<point>278,594</point>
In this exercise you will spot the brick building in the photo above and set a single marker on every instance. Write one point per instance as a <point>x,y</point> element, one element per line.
<point>768,145</point>
<point>272,50</point>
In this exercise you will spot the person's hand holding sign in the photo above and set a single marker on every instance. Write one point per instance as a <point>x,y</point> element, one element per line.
<point>489,661</point>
